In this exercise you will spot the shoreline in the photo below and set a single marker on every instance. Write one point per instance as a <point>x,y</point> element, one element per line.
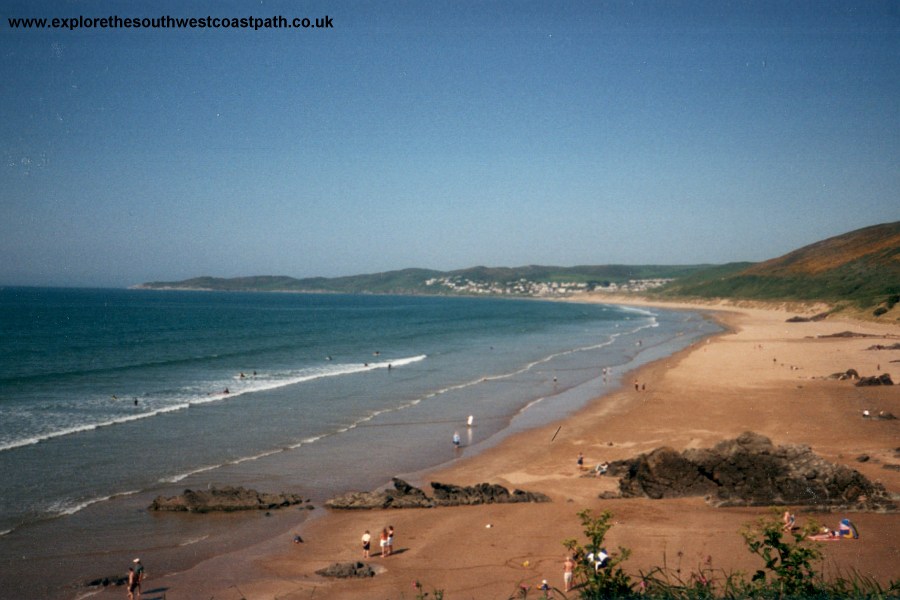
<point>436,546</point>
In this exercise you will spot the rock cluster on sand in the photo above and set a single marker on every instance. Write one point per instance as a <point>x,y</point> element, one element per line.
<point>347,570</point>
<point>883,379</point>
<point>799,319</point>
<point>405,495</point>
<point>114,580</point>
<point>749,471</point>
<point>845,375</point>
<point>224,499</point>
<point>894,346</point>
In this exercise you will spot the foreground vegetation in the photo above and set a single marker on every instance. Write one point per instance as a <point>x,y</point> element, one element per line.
<point>790,570</point>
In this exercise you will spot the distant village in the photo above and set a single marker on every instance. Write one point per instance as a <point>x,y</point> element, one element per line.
<point>524,287</point>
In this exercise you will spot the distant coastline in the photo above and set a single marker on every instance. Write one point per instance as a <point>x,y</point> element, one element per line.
<point>530,281</point>
<point>857,272</point>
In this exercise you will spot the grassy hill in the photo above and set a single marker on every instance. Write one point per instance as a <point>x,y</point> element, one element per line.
<point>862,267</point>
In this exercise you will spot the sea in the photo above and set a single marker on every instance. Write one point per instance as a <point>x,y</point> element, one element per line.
<point>111,397</point>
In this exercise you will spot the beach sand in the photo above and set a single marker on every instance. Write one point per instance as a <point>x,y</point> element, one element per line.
<point>764,375</point>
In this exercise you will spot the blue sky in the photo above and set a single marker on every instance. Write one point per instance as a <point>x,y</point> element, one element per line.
<point>441,135</point>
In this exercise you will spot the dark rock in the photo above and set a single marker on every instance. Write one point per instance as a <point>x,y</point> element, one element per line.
<point>848,374</point>
<point>347,570</point>
<point>862,458</point>
<point>116,580</point>
<point>748,471</point>
<point>895,346</point>
<point>848,334</point>
<point>402,496</point>
<point>818,317</point>
<point>483,493</point>
<point>406,496</point>
<point>665,474</point>
<point>883,379</point>
<point>891,467</point>
<point>225,499</point>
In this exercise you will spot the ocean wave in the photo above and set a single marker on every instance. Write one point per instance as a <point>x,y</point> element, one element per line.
<point>53,376</point>
<point>70,507</point>
<point>634,309</point>
<point>246,385</point>
<point>191,541</point>
<point>66,507</point>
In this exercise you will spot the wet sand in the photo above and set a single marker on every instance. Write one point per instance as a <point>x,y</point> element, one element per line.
<point>764,375</point>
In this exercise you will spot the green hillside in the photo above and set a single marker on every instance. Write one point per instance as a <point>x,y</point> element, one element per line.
<point>862,267</point>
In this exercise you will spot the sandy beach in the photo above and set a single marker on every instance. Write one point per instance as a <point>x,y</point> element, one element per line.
<point>763,375</point>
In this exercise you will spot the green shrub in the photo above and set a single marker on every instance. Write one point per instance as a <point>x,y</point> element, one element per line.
<point>788,558</point>
<point>610,581</point>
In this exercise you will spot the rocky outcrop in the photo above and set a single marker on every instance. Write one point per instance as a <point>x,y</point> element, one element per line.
<point>482,493</point>
<point>114,580</point>
<point>895,346</point>
<point>883,379</point>
<point>224,499</point>
<point>347,570</point>
<point>406,496</point>
<point>845,375</point>
<point>749,471</point>
<point>799,319</point>
<point>402,496</point>
<point>847,334</point>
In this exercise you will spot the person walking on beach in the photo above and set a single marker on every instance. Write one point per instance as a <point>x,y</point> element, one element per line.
<point>366,543</point>
<point>568,573</point>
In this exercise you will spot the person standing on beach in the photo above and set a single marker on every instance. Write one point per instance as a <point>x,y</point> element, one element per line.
<point>135,587</point>
<point>383,542</point>
<point>131,583</point>
<point>456,439</point>
<point>568,572</point>
<point>390,540</point>
<point>366,543</point>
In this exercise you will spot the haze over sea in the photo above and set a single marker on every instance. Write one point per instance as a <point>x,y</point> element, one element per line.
<point>111,397</point>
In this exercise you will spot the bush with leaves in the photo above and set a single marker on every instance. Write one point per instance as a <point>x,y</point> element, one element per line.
<point>788,557</point>
<point>608,581</point>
